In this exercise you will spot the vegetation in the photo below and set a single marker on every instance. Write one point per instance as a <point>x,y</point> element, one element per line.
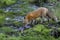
<point>8,27</point>
<point>6,2</point>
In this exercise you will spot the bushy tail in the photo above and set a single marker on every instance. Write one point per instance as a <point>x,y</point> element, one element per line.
<point>52,16</point>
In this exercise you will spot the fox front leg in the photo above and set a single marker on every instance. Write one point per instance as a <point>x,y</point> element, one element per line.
<point>42,19</point>
<point>31,22</point>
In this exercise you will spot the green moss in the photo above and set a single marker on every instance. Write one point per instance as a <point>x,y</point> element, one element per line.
<point>38,27</point>
<point>2,17</point>
<point>6,29</point>
<point>18,23</point>
<point>7,2</point>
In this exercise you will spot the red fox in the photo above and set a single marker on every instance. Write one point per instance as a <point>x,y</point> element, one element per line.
<point>41,12</point>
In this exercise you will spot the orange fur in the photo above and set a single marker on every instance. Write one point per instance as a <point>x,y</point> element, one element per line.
<point>42,11</point>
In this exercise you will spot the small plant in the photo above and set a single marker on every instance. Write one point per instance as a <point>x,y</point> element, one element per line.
<point>7,2</point>
<point>6,29</point>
